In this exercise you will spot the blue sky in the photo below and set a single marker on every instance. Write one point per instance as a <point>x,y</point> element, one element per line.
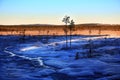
<point>52,11</point>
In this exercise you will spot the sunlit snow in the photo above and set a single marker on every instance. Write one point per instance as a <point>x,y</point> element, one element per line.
<point>29,48</point>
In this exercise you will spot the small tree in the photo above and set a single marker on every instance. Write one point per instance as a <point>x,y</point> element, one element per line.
<point>22,33</point>
<point>90,30</point>
<point>90,44</point>
<point>71,28</point>
<point>66,20</point>
<point>47,35</point>
<point>99,31</point>
<point>90,49</point>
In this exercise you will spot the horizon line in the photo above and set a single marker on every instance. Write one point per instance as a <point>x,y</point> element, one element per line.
<point>56,24</point>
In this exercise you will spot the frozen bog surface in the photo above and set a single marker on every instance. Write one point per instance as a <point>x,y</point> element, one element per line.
<point>37,60</point>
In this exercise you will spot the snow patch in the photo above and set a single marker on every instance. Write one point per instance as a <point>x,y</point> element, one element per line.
<point>29,48</point>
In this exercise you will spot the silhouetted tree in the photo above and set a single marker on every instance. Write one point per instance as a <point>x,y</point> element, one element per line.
<point>71,26</point>
<point>66,21</point>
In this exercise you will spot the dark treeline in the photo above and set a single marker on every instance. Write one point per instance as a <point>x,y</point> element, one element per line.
<point>58,27</point>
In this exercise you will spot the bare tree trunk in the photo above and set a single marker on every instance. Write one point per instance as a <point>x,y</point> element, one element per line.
<point>65,30</point>
<point>90,49</point>
<point>66,41</point>
<point>70,37</point>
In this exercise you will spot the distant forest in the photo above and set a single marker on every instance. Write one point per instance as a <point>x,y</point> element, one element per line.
<point>57,29</point>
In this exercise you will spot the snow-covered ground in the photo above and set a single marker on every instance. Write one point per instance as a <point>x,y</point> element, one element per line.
<point>36,60</point>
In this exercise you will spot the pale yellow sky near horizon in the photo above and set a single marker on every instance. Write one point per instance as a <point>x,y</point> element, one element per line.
<point>57,20</point>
